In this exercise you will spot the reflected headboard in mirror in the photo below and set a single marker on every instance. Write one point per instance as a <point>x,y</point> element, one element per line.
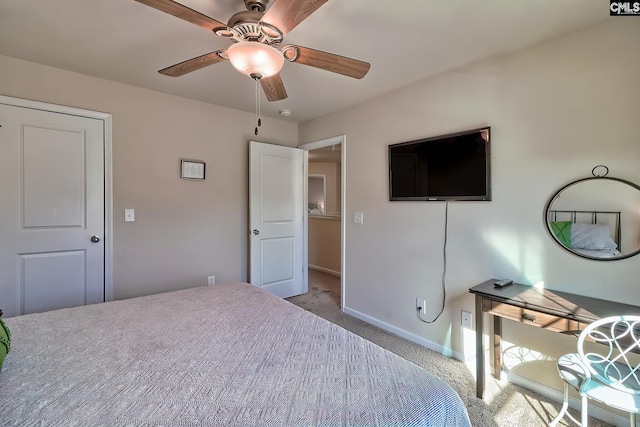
<point>591,233</point>
<point>596,217</point>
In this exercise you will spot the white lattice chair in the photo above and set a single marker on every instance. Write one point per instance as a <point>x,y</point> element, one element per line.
<point>606,373</point>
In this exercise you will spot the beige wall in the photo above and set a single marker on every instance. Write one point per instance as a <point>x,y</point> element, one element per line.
<point>324,244</point>
<point>325,233</point>
<point>332,174</point>
<point>184,230</point>
<point>556,110</point>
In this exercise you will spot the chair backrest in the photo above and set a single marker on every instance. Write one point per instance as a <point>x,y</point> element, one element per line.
<point>616,361</point>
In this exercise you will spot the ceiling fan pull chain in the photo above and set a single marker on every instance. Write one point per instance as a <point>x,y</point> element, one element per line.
<point>257,105</point>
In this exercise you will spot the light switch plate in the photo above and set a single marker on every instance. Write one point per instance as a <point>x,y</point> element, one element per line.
<point>129,215</point>
<point>358,217</point>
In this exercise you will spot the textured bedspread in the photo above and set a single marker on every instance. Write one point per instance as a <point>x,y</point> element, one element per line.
<point>224,355</point>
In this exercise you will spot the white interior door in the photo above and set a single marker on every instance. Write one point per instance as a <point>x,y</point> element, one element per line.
<point>53,223</point>
<point>276,219</point>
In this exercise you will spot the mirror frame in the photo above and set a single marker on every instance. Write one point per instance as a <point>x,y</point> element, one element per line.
<point>555,196</point>
<point>323,177</point>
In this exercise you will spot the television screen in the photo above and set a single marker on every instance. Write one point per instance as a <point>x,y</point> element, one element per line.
<point>447,167</point>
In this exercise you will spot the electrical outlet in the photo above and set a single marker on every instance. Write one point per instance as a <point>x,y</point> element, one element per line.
<point>466,320</point>
<point>211,280</point>
<point>421,304</point>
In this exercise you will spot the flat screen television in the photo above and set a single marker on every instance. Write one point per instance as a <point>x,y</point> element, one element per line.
<point>447,167</point>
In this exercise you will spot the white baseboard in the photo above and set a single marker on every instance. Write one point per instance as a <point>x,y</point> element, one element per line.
<point>406,334</point>
<point>326,270</point>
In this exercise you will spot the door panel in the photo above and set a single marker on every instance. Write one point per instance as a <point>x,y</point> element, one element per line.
<point>54,178</point>
<point>278,257</point>
<point>52,189</point>
<point>276,219</point>
<point>278,195</point>
<point>41,293</point>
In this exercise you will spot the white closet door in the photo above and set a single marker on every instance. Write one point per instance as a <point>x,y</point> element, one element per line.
<point>52,228</point>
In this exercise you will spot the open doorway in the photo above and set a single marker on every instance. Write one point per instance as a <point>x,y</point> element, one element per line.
<point>325,218</point>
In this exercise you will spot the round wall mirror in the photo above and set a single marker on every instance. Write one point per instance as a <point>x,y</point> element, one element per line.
<point>596,218</point>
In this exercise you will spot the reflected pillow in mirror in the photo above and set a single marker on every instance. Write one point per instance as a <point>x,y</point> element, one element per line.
<point>591,236</point>
<point>562,231</point>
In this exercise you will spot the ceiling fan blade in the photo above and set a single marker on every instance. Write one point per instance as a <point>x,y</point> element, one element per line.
<point>287,14</point>
<point>273,88</point>
<point>183,12</point>
<point>330,62</point>
<point>193,64</point>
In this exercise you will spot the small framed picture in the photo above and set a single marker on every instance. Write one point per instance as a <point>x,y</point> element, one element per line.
<point>191,169</point>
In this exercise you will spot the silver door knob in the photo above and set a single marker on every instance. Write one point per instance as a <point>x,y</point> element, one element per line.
<point>95,239</point>
<point>256,232</point>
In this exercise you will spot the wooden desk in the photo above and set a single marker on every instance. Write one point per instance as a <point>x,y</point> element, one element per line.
<point>544,308</point>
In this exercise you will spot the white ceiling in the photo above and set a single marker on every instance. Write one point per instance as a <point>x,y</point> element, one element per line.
<point>404,40</point>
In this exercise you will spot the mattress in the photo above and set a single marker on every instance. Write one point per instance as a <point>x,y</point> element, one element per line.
<point>223,355</point>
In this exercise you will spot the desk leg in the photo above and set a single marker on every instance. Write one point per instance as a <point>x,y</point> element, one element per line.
<point>479,349</point>
<point>497,347</point>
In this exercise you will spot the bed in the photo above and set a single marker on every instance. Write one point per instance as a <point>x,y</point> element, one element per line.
<point>223,355</point>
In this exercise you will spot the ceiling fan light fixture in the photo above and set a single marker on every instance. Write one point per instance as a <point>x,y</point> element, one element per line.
<point>255,59</point>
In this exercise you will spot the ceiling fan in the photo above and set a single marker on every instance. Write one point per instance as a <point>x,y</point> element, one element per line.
<point>257,34</point>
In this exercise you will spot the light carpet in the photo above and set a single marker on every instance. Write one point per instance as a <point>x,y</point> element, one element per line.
<point>504,404</point>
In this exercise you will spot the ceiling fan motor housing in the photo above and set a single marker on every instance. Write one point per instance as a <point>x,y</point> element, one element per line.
<point>259,5</point>
<point>246,26</point>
